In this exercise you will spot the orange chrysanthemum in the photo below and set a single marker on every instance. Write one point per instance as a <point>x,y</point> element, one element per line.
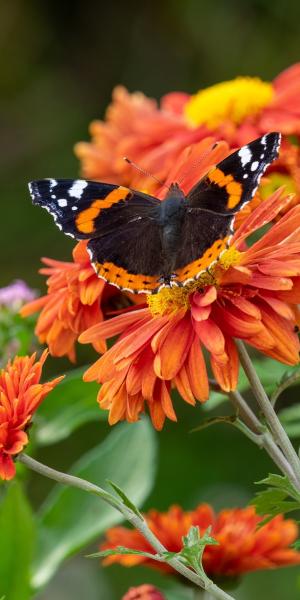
<point>236,111</point>
<point>242,546</point>
<point>20,395</point>
<point>143,592</point>
<point>72,304</point>
<point>250,293</point>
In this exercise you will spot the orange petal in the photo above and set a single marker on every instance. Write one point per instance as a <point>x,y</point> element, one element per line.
<point>210,335</point>
<point>197,374</point>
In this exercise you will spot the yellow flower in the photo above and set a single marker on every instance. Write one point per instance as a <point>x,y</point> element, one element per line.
<point>230,100</point>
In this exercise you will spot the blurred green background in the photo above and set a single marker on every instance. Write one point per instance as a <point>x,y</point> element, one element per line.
<point>59,62</point>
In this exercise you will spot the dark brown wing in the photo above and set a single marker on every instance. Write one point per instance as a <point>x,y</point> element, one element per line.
<point>205,236</point>
<point>233,182</point>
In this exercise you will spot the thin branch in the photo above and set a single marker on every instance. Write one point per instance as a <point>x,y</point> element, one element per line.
<point>288,382</point>
<point>135,520</point>
<point>279,434</point>
<point>262,437</point>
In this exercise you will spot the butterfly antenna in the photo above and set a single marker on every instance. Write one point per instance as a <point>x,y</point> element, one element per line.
<point>138,168</point>
<point>195,164</point>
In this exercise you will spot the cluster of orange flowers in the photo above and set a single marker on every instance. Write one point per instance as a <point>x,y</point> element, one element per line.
<point>242,545</point>
<point>20,395</point>
<point>252,294</point>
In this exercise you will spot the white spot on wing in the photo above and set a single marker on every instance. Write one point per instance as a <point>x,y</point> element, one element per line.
<point>62,202</point>
<point>74,207</point>
<point>245,176</point>
<point>90,253</point>
<point>254,165</point>
<point>245,155</point>
<point>52,183</point>
<point>77,188</point>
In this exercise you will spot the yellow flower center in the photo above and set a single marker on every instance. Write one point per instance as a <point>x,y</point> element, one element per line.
<point>171,300</point>
<point>231,100</point>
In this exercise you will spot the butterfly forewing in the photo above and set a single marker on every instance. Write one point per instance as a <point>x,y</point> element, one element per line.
<point>234,181</point>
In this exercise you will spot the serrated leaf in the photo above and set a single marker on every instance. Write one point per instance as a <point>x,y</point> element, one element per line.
<point>70,405</point>
<point>16,543</point>
<point>71,519</point>
<point>276,499</point>
<point>193,547</point>
<point>126,501</point>
<point>281,482</point>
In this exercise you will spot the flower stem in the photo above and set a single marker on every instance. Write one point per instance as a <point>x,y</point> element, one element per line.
<point>135,520</point>
<point>278,432</point>
<point>261,436</point>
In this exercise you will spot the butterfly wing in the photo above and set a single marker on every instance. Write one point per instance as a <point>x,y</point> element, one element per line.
<point>121,224</point>
<point>233,182</point>
<point>205,236</point>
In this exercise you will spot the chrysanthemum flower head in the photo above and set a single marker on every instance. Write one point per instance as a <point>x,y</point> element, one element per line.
<point>154,136</point>
<point>20,395</point>
<point>242,545</point>
<point>248,293</point>
<point>231,100</point>
<point>143,592</point>
<point>72,304</point>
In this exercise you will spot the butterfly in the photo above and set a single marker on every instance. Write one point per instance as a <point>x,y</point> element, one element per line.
<point>140,243</point>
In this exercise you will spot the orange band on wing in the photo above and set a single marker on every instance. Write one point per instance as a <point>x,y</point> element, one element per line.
<point>124,280</point>
<point>233,188</point>
<point>85,221</point>
<point>193,269</point>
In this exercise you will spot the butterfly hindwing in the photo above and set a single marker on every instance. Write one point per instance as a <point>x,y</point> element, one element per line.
<point>201,245</point>
<point>233,182</point>
<point>130,255</point>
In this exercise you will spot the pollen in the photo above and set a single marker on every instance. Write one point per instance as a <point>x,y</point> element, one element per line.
<point>229,258</point>
<point>169,300</point>
<point>232,100</point>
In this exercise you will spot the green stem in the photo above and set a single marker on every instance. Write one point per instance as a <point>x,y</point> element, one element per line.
<point>135,520</point>
<point>288,382</point>
<point>261,436</point>
<point>278,432</point>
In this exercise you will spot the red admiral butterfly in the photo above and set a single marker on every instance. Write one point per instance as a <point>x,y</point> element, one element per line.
<point>140,243</point>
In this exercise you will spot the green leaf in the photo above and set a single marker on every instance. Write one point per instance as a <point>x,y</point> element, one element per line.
<point>125,499</point>
<point>296,545</point>
<point>71,404</point>
<point>279,497</point>
<point>16,543</point>
<point>228,419</point>
<point>193,547</point>
<point>71,519</point>
<point>281,482</point>
<point>124,551</point>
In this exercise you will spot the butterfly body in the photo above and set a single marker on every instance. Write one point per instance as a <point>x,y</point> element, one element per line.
<point>140,243</point>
